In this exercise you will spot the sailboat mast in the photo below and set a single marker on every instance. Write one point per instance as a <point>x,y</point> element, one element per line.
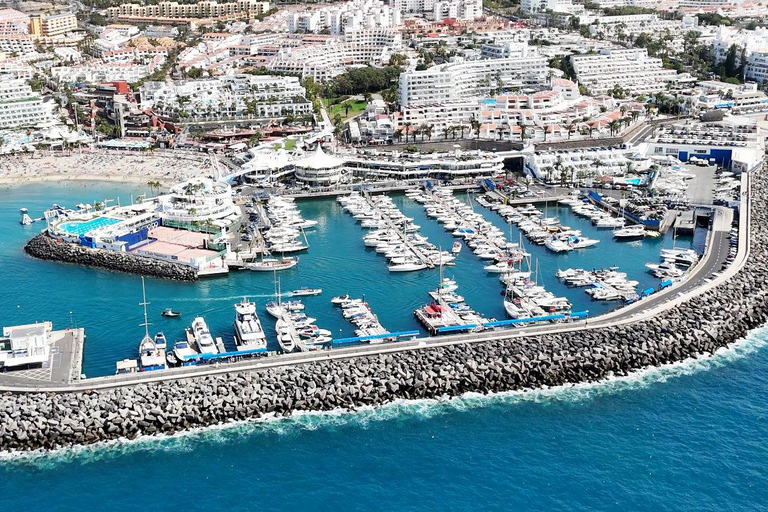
<point>144,303</point>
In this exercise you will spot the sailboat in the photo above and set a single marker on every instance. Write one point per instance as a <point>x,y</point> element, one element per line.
<point>270,264</point>
<point>151,352</point>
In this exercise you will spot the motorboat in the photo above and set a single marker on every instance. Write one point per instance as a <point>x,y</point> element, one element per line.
<point>340,299</point>
<point>685,257</point>
<point>284,336</point>
<point>202,337</point>
<point>557,245</point>
<point>184,353</point>
<point>170,313</point>
<point>456,249</point>
<point>448,297</point>
<point>160,341</point>
<point>630,232</point>
<point>272,264</point>
<point>249,334</point>
<point>582,242</point>
<point>305,292</point>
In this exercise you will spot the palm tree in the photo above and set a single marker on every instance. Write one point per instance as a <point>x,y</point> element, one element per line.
<point>446,131</point>
<point>425,129</point>
<point>475,124</point>
<point>571,129</point>
<point>407,130</point>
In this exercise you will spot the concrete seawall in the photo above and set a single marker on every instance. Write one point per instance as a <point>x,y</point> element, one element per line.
<point>46,248</point>
<point>702,325</point>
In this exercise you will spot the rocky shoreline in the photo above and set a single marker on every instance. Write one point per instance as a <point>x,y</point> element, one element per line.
<point>45,247</point>
<point>700,326</point>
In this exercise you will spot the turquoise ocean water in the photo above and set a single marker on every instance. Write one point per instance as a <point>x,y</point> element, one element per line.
<point>686,437</point>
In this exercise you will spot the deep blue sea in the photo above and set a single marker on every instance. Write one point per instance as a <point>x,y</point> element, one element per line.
<point>691,436</point>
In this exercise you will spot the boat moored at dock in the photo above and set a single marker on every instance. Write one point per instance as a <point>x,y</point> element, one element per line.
<point>249,334</point>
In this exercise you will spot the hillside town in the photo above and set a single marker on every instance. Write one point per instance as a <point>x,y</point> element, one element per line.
<point>456,87</point>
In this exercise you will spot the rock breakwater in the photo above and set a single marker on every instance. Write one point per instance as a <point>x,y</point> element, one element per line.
<point>47,248</point>
<point>702,325</point>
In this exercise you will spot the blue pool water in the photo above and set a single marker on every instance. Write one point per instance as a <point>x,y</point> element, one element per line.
<point>686,437</point>
<point>82,227</point>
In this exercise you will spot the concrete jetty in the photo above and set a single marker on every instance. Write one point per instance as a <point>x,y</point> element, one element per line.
<point>684,322</point>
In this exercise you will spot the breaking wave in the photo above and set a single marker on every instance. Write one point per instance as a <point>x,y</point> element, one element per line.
<point>366,417</point>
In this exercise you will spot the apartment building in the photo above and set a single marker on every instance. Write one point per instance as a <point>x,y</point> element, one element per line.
<point>16,69</point>
<point>331,57</point>
<point>440,9</point>
<point>206,9</point>
<point>13,22</point>
<point>53,26</point>
<point>752,43</point>
<point>534,6</point>
<point>231,96</point>
<point>20,106</point>
<point>633,70</point>
<point>462,80</point>
<point>16,44</point>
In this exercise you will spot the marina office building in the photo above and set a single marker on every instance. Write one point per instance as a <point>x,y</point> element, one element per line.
<point>25,345</point>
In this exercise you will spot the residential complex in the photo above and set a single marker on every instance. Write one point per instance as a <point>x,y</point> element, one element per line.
<point>53,26</point>
<point>20,106</point>
<point>344,17</point>
<point>632,70</point>
<point>239,96</point>
<point>461,80</point>
<point>207,9</point>
<point>751,44</point>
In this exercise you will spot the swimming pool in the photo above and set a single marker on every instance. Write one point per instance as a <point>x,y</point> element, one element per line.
<point>77,227</point>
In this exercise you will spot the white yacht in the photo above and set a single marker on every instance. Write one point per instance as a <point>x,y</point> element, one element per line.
<point>408,266</point>
<point>284,337</point>
<point>183,352</point>
<point>249,334</point>
<point>202,337</point>
<point>630,232</point>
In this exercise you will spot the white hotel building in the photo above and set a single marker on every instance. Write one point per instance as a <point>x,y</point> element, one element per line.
<point>755,46</point>
<point>20,106</point>
<point>326,60</point>
<point>633,70</point>
<point>464,80</point>
<point>275,96</point>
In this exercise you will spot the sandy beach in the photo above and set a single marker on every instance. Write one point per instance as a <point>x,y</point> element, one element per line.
<point>125,167</point>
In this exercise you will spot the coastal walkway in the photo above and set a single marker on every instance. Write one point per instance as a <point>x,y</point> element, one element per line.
<point>699,280</point>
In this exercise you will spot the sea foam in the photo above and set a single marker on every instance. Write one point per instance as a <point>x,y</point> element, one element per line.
<point>364,417</point>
